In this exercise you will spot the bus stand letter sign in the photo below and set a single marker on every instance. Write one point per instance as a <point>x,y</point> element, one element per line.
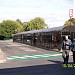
<point>70,12</point>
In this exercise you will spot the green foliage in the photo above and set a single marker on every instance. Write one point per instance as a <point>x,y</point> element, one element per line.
<point>34,24</point>
<point>9,27</point>
<point>26,26</point>
<point>70,22</point>
<point>19,27</point>
<point>19,21</point>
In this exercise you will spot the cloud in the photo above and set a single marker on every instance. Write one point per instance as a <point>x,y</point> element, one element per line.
<point>53,11</point>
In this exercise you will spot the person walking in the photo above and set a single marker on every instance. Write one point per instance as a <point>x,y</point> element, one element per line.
<point>66,48</point>
<point>73,50</point>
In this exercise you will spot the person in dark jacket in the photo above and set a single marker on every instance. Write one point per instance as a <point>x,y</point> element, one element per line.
<point>66,48</point>
<point>73,50</point>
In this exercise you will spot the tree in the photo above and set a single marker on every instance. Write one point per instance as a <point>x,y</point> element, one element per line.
<point>26,26</point>
<point>19,27</point>
<point>34,24</point>
<point>70,22</point>
<point>19,21</point>
<point>37,23</point>
<point>9,27</point>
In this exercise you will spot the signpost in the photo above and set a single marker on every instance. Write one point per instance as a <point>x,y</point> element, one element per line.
<point>70,12</point>
<point>70,15</point>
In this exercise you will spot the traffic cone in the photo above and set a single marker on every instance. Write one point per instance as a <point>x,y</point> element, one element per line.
<point>2,57</point>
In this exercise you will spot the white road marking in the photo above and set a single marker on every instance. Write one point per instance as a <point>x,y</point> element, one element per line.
<point>32,56</point>
<point>42,55</point>
<point>15,57</point>
<point>56,55</point>
<point>9,58</point>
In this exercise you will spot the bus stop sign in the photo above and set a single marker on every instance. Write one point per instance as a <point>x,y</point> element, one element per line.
<point>70,12</point>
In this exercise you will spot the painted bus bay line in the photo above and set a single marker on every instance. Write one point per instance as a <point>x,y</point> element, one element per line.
<point>33,56</point>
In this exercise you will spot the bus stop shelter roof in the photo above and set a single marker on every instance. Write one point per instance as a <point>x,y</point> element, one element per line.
<point>60,28</point>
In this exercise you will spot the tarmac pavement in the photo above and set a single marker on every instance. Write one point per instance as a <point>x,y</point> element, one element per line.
<point>48,62</point>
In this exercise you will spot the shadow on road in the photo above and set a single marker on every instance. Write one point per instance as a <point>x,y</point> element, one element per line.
<point>56,61</point>
<point>47,69</point>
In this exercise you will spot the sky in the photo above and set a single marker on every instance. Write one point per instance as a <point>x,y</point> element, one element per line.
<point>54,12</point>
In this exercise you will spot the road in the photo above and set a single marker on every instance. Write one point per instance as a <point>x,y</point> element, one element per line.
<point>27,60</point>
